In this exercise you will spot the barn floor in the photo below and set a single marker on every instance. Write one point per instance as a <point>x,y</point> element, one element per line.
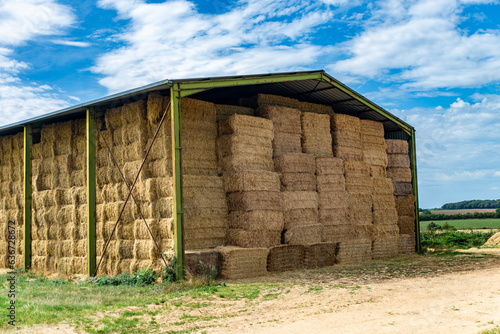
<point>454,293</point>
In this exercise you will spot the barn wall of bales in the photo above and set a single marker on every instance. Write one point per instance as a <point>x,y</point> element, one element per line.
<point>271,184</point>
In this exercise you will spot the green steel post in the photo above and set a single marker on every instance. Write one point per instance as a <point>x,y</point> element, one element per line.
<point>175,108</point>
<point>91,185</point>
<point>413,159</point>
<point>27,197</point>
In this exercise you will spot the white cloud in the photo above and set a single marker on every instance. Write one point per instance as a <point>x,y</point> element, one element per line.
<point>71,43</point>
<point>420,43</point>
<point>21,21</point>
<point>173,40</point>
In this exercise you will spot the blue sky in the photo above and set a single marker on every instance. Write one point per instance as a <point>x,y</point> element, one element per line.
<point>433,63</point>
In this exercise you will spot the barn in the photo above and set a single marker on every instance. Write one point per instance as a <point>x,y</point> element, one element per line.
<point>246,174</point>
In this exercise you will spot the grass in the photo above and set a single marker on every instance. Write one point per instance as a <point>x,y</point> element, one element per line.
<point>493,223</point>
<point>192,306</point>
<point>453,239</point>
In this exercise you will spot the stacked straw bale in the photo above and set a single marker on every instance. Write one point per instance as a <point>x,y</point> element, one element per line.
<point>203,262</point>
<point>287,128</point>
<point>319,255</point>
<point>314,108</point>
<point>385,220</point>
<point>374,147</point>
<point>346,133</point>
<point>285,258</point>
<point>59,199</point>
<point>263,100</point>
<point>333,200</point>
<point>296,171</point>
<point>354,251</point>
<point>243,262</point>
<point>251,185</point>
<point>11,196</point>
<point>316,136</point>
<point>224,111</point>
<point>399,171</point>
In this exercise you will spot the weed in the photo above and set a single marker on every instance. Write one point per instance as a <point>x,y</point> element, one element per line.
<point>141,277</point>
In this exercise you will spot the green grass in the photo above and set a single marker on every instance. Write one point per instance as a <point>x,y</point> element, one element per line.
<point>495,330</point>
<point>453,239</point>
<point>467,223</point>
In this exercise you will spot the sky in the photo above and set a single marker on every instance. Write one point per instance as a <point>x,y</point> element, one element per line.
<point>433,63</point>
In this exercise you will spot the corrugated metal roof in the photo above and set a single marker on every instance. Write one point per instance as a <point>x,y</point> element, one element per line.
<point>321,89</point>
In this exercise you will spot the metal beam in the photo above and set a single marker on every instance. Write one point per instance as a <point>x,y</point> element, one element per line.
<point>27,197</point>
<point>413,165</point>
<point>91,185</point>
<point>250,80</point>
<point>175,96</point>
<point>404,126</point>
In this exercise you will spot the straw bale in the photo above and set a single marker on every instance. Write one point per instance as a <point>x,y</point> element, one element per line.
<point>373,142</point>
<point>330,182</point>
<point>315,108</point>
<point>358,184</point>
<point>300,200</point>
<point>206,222</point>
<point>248,126</point>
<point>320,146</point>
<point>385,232</point>
<point>356,168</point>
<point>407,243</point>
<point>347,138</point>
<point>345,122</point>
<point>402,188</point>
<point>328,217</point>
<point>405,205</point>
<point>300,217</point>
<point>302,235</point>
<point>397,146</point>
<point>113,118</point>
<point>298,182</point>
<point>261,100</point>
<point>382,186</point>
<point>196,233</point>
<point>243,262</point>
<point>285,258</point>
<point>251,181</point>
<point>354,251</point>
<point>284,119</point>
<point>378,171</point>
<point>155,108</point>
<point>348,153</point>
<point>399,160</point>
<point>254,238</point>
<point>315,123</point>
<point>399,174</point>
<point>224,111</point>
<point>375,157</point>
<point>385,217</point>
<point>134,113</point>
<point>286,143</point>
<point>383,202</point>
<point>333,199</point>
<point>365,231</point>
<point>204,243</point>
<point>245,162</point>
<point>406,224</point>
<point>202,262</point>
<point>261,220</point>
<point>320,255</point>
<point>230,145</point>
<point>372,128</point>
<point>329,166</point>
<point>253,200</point>
<point>213,211</point>
<point>386,248</point>
<point>295,163</point>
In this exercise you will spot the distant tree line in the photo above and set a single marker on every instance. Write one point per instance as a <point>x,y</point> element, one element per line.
<point>426,215</point>
<point>473,204</point>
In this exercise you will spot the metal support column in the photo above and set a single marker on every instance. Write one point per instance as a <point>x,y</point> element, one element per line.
<point>413,160</point>
<point>178,184</point>
<point>27,197</point>
<point>91,185</point>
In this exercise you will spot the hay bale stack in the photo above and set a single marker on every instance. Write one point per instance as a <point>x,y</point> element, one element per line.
<point>205,208</point>
<point>319,255</point>
<point>243,262</point>
<point>263,100</point>
<point>374,145</point>
<point>316,136</point>
<point>354,251</point>
<point>296,171</point>
<point>224,111</point>
<point>407,243</point>
<point>359,187</point>
<point>301,217</point>
<point>287,128</point>
<point>285,258</point>
<point>245,143</point>
<point>315,108</point>
<point>405,206</point>
<point>385,241</point>
<point>346,133</point>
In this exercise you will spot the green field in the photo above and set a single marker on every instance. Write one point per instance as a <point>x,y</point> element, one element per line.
<point>466,223</point>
